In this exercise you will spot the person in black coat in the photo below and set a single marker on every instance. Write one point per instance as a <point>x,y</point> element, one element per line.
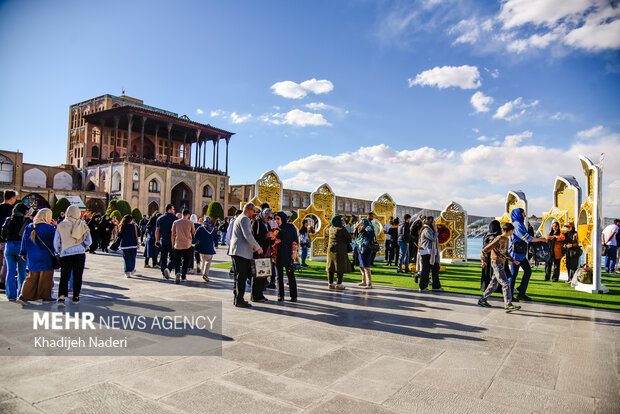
<point>288,241</point>
<point>94,225</point>
<point>495,229</point>
<point>261,231</point>
<point>105,232</point>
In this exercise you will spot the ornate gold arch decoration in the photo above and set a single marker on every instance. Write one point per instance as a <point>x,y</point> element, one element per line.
<point>454,217</point>
<point>514,199</point>
<point>383,207</point>
<point>269,190</point>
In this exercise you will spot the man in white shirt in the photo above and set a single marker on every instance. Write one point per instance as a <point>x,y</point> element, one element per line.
<point>609,239</point>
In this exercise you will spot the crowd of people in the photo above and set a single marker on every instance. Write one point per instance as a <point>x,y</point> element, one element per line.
<point>34,245</point>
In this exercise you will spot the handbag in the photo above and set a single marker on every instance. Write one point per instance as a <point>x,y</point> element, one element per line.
<point>605,250</point>
<point>55,258</point>
<point>519,247</point>
<point>261,268</point>
<point>116,244</point>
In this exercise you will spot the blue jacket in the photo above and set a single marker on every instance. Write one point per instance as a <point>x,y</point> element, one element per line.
<point>520,233</point>
<point>205,241</point>
<point>38,256</point>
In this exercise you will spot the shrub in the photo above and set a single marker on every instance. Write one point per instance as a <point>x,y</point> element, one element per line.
<point>123,207</point>
<point>137,215</point>
<point>294,215</point>
<point>215,211</point>
<point>61,206</point>
<point>117,215</point>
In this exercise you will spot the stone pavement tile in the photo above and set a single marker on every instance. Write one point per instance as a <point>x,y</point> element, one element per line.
<point>414,398</point>
<point>537,399</point>
<point>538,342</point>
<point>16,368</point>
<point>340,404</point>
<point>522,362</point>
<point>584,346</point>
<point>413,351</point>
<point>5,395</point>
<point>589,376</point>
<point>497,317</point>
<point>606,406</point>
<point>219,397</point>
<point>43,386</point>
<point>165,379</point>
<point>328,368</point>
<point>285,389</point>
<point>17,405</point>
<point>320,332</point>
<point>378,380</point>
<point>472,382</point>
<point>258,357</point>
<point>472,359</point>
<point>537,378</point>
<point>102,399</point>
<point>288,343</point>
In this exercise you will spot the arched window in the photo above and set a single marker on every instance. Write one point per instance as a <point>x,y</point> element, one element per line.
<point>154,186</point>
<point>340,205</point>
<point>306,202</point>
<point>285,199</point>
<point>6,170</point>
<point>95,152</point>
<point>347,206</point>
<point>296,200</point>
<point>207,191</point>
<point>116,182</point>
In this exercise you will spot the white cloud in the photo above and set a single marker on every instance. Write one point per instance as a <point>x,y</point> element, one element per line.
<point>516,13</point>
<point>513,109</point>
<point>514,140</point>
<point>292,90</point>
<point>218,112</point>
<point>200,111</point>
<point>599,32</point>
<point>464,77</point>
<point>484,138</point>
<point>296,117</point>
<point>458,176</point>
<point>239,119</point>
<point>481,102</point>
<point>592,132</point>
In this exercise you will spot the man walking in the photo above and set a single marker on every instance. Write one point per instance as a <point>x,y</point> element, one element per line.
<point>242,248</point>
<point>386,230</point>
<point>163,235</point>
<point>609,239</point>
<point>403,244</point>
<point>6,209</point>
<point>182,235</point>
<point>519,242</point>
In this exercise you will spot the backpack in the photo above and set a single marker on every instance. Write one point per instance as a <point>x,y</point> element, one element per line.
<point>542,252</point>
<point>583,275</point>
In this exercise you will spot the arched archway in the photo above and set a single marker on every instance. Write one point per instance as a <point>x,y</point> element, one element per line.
<point>149,149</point>
<point>35,200</point>
<point>6,170</point>
<point>95,152</point>
<point>181,197</point>
<point>90,186</point>
<point>153,207</point>
<point>116,182</point>
<point>63,181</point>
<point>34,177</point>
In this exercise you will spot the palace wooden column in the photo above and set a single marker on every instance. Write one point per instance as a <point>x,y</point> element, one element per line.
<point>156,141</point>
<point>102,126</point>
<point>129,123</point>
<point>204,153</point>
<point>217,157</point>
<point>116,120</point>
<point>214,144</point>
<point>142,140</point>
<point>185,149</point>
<point>169,142</point>
<point>227,141</point>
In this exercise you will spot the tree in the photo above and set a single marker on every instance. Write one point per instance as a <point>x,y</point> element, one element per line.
<point>117,215</point>
<point>112,206</point>
<point>215,211</point>
<point>294,215</point>
<point>61,206</point>
<point>137,215</point>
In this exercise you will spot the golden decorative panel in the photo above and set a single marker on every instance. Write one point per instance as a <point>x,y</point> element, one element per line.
<point>269,190</point>
<point>454,218</point>
<point>566,202</point>
<point>383,208</point>
<point>513,200</point>
<point>324,199</point>
<point>319,239</point>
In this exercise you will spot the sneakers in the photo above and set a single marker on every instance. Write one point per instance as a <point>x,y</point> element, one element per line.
<point>339,287</point>
<point>511,308</point>
<point>147,266</point>
<point>438,290</point>
<point>61,303</point>
<point>331,286</point>
<point>22,301</point>
<point>205,278</point>
<point>368,286</point>
<point>425,290</point>
<point>177,278</point>
<point>127,275</point>
<point>76,300</point>
<point>295,299</point>
<point>362,284</point>
<point>484,303</point>
<point>524,297</point>
<point>167,274</point>
<point>133,272</point>
<point>243,305</point>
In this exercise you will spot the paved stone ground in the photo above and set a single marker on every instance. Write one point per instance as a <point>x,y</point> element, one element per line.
<point>386,350</point>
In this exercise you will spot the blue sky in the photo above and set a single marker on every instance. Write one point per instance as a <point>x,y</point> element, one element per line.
<point>430,101</point>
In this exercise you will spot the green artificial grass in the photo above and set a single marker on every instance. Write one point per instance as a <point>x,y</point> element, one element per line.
<point>465,278</point>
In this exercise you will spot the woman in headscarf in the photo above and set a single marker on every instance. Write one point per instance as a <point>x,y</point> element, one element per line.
<point>12,231</point>
<point>195,256</point>
<point>554,240</point>
<point>94,225</point>
<point>37,249</point>
<point>339,241</point>
<point>429,255</point>
<point>150,250</point>
<point>128,233</point>
<point>206,242</point>
<point>261,230</point>
<point>363,243</point>
<point>71,240</point>
<point>495,229</point>
<point>105,232</point>
<point>573,251</point>
<point>284,259</point>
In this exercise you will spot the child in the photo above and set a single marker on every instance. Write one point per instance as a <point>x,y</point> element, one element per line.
<point>499,254</point>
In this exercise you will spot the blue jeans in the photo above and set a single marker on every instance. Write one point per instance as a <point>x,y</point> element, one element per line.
<point>304,255</point>
<point>610,259</point>
<point>223,237</point>
<point>404,256</point>
<point>525,280</point>
<point>14,263</point>
<point>129,256</point>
